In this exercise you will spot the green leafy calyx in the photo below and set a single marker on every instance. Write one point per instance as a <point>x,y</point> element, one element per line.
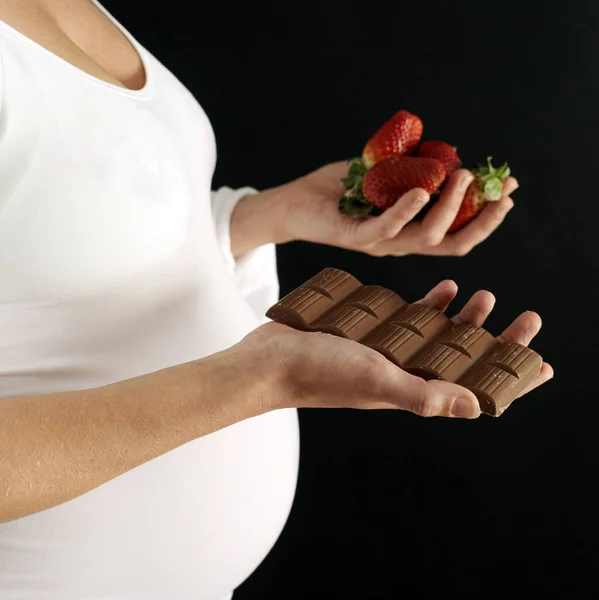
<point>491,179</point>
<point>353,203</point>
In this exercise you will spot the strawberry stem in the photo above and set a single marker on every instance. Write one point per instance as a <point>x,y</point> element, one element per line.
<point>354,207</point>
<point>491,179</point>
<point>353,203</point>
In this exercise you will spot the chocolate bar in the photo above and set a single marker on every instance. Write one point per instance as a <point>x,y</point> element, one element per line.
<point>416,337</point>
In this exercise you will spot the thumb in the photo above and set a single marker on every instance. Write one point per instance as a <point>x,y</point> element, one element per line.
<point>432,398</point>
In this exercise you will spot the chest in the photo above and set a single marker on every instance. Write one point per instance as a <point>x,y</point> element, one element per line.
<point>82,34</point>
<point>98,188</point>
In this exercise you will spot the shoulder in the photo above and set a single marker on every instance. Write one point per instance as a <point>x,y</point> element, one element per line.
<point>1,87</point>
<point>1,66</point>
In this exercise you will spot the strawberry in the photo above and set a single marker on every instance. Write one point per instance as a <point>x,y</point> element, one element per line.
<point>389,179</point>
<point>486,187</point>
<point>441,151</point>
<point>384,172</point>
<point>399,135</point>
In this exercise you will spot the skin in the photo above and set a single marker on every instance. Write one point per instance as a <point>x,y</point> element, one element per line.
<point>306,209</point>
<point>78,32</point>
<point>55,447</point>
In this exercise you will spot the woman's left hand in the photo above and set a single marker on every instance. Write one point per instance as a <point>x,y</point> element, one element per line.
<point>307,209</point>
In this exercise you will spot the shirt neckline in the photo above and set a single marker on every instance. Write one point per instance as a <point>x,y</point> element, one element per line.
<point>143,92</point>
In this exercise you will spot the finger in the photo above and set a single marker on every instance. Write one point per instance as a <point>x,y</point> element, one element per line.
<point>429,406</point>
<point>392,221</point>
<point>433,398</point>
<point>437,221</point>
<point>444,399</point>
<point>478,230</point>
<point>523,329</point>
<point>510,185</point>
<point>477,309</point>
<point>441,295</point>
<point>544,376</point>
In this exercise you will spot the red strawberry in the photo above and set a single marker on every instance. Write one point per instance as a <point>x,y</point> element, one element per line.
<point>399,135</point>
<point>441,151</point>
<point>486,187</point>
<point>389,179</point>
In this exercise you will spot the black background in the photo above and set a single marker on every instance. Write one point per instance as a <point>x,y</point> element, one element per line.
<point>390,505</point>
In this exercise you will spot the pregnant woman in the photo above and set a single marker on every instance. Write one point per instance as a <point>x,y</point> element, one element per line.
<point>148,431</point>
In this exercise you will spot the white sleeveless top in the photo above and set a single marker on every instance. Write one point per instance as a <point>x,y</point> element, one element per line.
<point>115,261</point>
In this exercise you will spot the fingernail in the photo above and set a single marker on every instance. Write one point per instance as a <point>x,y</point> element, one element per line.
<point>419,201</point>
<point>465,408</point>
<point>466,181</point>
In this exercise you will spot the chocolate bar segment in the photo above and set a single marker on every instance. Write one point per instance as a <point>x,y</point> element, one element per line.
<point>406,332</point>
<point>359,313</point>
<point>454,351</point>
<point>312,299</point>
<point>416,337</point>
<point>501,376</point>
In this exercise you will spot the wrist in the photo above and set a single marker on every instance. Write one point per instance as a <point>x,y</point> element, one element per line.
<point>242,382</point>
<point>258,219</point>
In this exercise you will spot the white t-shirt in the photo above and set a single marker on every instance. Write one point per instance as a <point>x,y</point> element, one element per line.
<point>115,261</point>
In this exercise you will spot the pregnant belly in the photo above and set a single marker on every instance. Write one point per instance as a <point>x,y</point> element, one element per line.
<point>191,524</point>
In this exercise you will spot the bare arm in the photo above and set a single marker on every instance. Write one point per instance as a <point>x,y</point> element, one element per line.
<point>56,447</point>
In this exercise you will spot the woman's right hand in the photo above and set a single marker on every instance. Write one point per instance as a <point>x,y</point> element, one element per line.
<point>322,370</point>
<point>100,433</point>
